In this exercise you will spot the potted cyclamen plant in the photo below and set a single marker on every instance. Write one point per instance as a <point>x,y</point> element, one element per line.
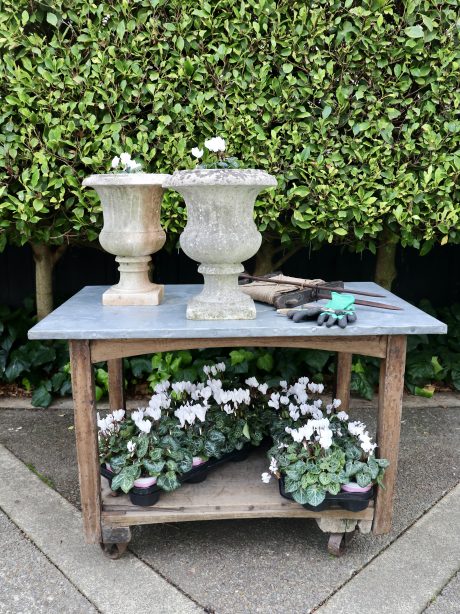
<point>319,456</point>
<point>131,203</point>
<point>186,430</point>
<point>220,231</point>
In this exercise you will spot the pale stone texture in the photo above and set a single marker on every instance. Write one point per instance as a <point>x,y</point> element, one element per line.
<point>131,205</point>
<point>220,233</point>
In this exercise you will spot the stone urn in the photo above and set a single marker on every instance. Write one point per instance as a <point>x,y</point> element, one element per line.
<point>131,206</point>
<point>220,234</point>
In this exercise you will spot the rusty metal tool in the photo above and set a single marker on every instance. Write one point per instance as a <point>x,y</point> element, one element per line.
<point>301,284</point>
<point>312,292</point>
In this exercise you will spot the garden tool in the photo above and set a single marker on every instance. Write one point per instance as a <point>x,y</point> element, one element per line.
<point>340,310</point>
<point>276,289</point>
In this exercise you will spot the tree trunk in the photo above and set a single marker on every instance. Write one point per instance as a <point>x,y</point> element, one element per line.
<point>45,259</point>
<point>385,268</point>
<point>264,258</point>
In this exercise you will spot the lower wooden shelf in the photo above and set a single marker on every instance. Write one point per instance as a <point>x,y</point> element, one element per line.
<point>232,491</point>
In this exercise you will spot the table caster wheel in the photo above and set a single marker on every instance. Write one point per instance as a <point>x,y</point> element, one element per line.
<point>114,551</point>
<point>338,542</point>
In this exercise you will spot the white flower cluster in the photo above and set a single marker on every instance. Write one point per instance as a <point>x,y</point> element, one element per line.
<point>266,477</point>
<point>336,403</point>
<point>214,369</point>
<point>140,421</point>
<point>109,424</point>
<point>296,397</point>
<point>187,413</point>
<point>159,401</point>
<point>253,383</point>
<point>215,145</point>
<point>127,163</point>
<point>314,430</point>
<point>358,429</point>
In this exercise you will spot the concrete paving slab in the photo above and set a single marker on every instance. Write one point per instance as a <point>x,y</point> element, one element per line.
<point>448,601</point>
<point>404,578</point>
<point>277,566</point>
<point>29,582</point>
<point>125,586</point>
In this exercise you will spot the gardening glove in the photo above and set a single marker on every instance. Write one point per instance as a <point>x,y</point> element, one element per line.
<point>308,312</point>
<point>339,310</point>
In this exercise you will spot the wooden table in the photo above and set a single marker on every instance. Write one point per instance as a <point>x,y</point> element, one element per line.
<point>96,333</point>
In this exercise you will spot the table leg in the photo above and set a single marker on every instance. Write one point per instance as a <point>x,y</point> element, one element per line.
<point>343,377</point>
<point>86,437</point>
<point>116,384</point>
<point>391,388</point>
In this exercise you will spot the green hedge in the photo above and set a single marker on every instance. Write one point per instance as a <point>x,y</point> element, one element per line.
<point>353,105</point>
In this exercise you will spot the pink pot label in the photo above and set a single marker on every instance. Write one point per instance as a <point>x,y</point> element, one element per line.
<point>354,487</point>
<point>197,461</point>
<point>145,482</point>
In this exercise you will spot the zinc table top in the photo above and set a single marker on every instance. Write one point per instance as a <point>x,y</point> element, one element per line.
<point>84,317</point>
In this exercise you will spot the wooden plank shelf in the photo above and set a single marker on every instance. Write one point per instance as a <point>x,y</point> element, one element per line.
<point>232,491</point>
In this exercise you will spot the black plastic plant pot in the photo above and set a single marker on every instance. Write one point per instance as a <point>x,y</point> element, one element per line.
<point>196,476</point>
<point>351,501</point>
<point>137,496</point>
<point>237,456</point>
<point>151,495</point>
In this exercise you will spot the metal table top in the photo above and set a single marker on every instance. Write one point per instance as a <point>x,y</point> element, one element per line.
<point>84,317</point>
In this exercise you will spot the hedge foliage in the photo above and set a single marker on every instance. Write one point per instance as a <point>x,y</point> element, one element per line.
<point>353,105</point>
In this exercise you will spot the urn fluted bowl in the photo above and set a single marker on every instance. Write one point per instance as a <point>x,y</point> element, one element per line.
<point>131,205</point>
<point>220,234</point>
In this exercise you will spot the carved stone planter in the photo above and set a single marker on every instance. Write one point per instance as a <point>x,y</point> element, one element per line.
<point>220,233</point>
<point>131,206</point>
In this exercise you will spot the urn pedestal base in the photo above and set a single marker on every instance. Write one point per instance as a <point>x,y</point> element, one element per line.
<point>134,287</point>
<point>221,298</point>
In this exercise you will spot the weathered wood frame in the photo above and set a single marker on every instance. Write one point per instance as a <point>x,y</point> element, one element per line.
<point>391,349</point>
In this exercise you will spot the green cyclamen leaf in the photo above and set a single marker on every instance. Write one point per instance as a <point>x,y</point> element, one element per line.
<point>168,481</point>
<point>315,495</point>
<point>153,468</point>
<point>291,485</point>
<point>126,478</point>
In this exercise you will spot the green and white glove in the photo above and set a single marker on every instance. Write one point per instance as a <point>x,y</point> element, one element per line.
<point>339,310</point>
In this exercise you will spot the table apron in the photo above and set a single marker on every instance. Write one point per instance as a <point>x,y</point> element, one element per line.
<point>123,348</point>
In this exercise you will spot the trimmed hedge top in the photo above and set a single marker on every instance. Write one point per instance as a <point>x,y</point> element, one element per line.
<point>353,105</point>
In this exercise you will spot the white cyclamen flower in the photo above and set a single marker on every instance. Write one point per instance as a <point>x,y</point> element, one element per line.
<point>263,388</point>
<point>273,465</point>
<point>162,386</point>
<point>144,426</point>
<point>125,158</point>
<point>115,162</point>
<point>197,152</point>
<point>342,415</point>
<point>137,416</point>
<point>118,415</point>
<point>251,381</point>
<point>153,412</point>
<point>266,477</point>
<point>131,446</point>
<point>215,144</point>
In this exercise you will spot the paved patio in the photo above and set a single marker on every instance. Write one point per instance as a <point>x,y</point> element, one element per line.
<point>228,567</point>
